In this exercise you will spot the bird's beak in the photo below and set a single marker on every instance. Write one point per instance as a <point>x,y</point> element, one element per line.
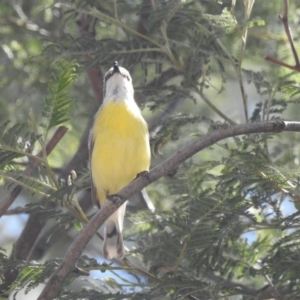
<point>116,68</point>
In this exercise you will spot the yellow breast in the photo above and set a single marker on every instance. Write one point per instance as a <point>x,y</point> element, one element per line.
<point>121,147</point>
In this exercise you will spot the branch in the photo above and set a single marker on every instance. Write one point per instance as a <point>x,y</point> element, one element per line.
<point>230,284</point>
<point>95,75</point>
<point>214,108</point>
<point>30,238</point>
<point>69,261</point>
<point>173,105</point>
<point>285,21</point>
<point>77,163</point>
<point>60,132</point>
<point>32,230</point>
<point>281,63</point>
<point>16,211</point>
<point>27,238</point>
<point>79,160</point>
<point>146,7</point>
<point>164,77</point>
<point>264,293</point>
<point>23,21</point>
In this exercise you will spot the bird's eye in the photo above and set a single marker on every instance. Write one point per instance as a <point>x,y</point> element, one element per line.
<point>128,78</point>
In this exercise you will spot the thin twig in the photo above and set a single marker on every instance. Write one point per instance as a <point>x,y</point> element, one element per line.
<point>24,21</point>
<point>96,13</point>
<point>146,7</point>
<point>116,10</point>
<point>213,107</point>
<point>193,230</point>
<point>235,65</point>
<point>60,132</point>
<point>228,283</point>
<point>78,162</point>
<point>94,74</point>
<point>248,8</point>
<point>31,238</point>
<point>68,263</point>
<point>281,63</point>
<point>271,284</point>
<point>285,21</point>
<point>17,210</point>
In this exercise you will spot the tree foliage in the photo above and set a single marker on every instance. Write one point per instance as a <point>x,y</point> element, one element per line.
<point>226,223</point>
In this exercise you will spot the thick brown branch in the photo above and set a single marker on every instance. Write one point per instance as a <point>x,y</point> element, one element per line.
<point>60,132</point>
<point>69,262</point>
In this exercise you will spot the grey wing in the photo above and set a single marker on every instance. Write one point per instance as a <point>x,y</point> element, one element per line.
<point>93,188</point>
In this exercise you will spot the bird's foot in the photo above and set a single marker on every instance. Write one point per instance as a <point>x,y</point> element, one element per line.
<point>144,174</point>
<point>115,199</point>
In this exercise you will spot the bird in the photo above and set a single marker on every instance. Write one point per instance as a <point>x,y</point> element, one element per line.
<point>119,151</point>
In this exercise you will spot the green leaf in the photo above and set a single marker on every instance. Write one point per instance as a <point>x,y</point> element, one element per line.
<point>78,226</point>
<point>15,141</point>
<point>59,103</point>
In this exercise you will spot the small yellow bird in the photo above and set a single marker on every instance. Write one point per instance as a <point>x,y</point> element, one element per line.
<point>119,151</point>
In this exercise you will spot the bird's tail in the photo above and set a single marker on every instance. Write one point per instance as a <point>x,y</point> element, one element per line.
<point>113,245</point>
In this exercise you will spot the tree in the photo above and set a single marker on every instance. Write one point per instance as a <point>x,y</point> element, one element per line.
<point>218,113</point>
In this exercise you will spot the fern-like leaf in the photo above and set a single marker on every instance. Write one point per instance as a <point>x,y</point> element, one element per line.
<point>59,103</point>
<point>15,141</point>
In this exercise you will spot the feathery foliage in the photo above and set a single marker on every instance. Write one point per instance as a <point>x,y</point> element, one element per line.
<point>226,225</point>
<point>59,104</point>
<point>16,141</point>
